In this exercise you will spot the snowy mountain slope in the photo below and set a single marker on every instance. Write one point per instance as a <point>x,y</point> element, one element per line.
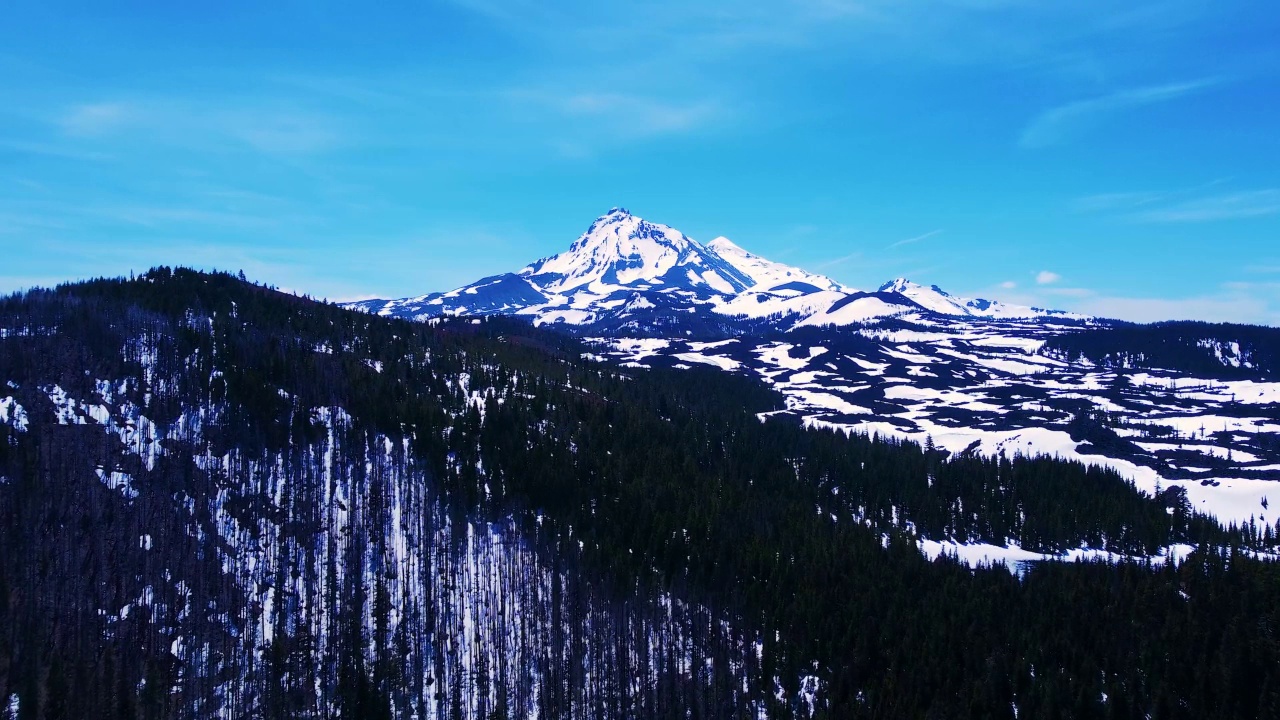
<point>861,308</point>
<point>497,295</point>
<point>784,302</point>
<point>767,275</point>
<point>628,274</point>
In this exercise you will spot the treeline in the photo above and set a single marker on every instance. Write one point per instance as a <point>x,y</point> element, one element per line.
<point>1208,350</point>
<point>341,515</point>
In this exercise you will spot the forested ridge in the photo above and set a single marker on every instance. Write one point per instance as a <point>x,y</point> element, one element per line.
<point>217,500</point>
<point>1210,350</point>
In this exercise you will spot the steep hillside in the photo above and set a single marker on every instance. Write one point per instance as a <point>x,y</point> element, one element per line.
<point>221,501</point>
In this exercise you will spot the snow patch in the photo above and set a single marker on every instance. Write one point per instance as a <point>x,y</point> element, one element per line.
<point>13,414</point>
<point>119,482</point>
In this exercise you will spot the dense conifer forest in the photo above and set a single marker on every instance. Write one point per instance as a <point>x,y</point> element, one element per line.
<point>222,501</point>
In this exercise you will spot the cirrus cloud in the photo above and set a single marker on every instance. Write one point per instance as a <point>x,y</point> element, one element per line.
<point>1057,124</point>
<point>94,119</point>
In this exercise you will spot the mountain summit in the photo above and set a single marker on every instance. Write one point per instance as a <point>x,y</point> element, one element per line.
<point>629,273</point>
<point>622,250</point>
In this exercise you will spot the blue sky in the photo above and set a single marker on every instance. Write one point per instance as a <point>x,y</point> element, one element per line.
<point>1115,158</point>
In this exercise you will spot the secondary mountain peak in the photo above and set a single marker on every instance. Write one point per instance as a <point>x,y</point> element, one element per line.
<point>897,285</point>
<point>937,300</point>
<point>723,243</point>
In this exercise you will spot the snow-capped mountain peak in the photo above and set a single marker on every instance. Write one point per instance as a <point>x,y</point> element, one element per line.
<point>622,250</point>
<point>626,272</point>
<point>931,298</point>
<point>905,286</point>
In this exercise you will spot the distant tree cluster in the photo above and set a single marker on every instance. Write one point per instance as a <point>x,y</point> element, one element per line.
<point>1208,350</point>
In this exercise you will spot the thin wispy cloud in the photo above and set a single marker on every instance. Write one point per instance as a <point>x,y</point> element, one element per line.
<point>217,213</point>
<point>578,123</point>
<point>202,121</point>
<point>496,9</point>
<point>1045,277</point>
<point>1190,205</point>
<point>1059,123</point>
<point>1136,200</point>
<point>1107,202</point>
<point>283,133</point>
<point>955,32</point>
<point>29,224</point>
<point>638,115</point>
<point>169,217</point>
<point>838,261</point>
<point>1233,206</point>
<point>53,150</point>
<point>913,240</point>
<point>94,119</point>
